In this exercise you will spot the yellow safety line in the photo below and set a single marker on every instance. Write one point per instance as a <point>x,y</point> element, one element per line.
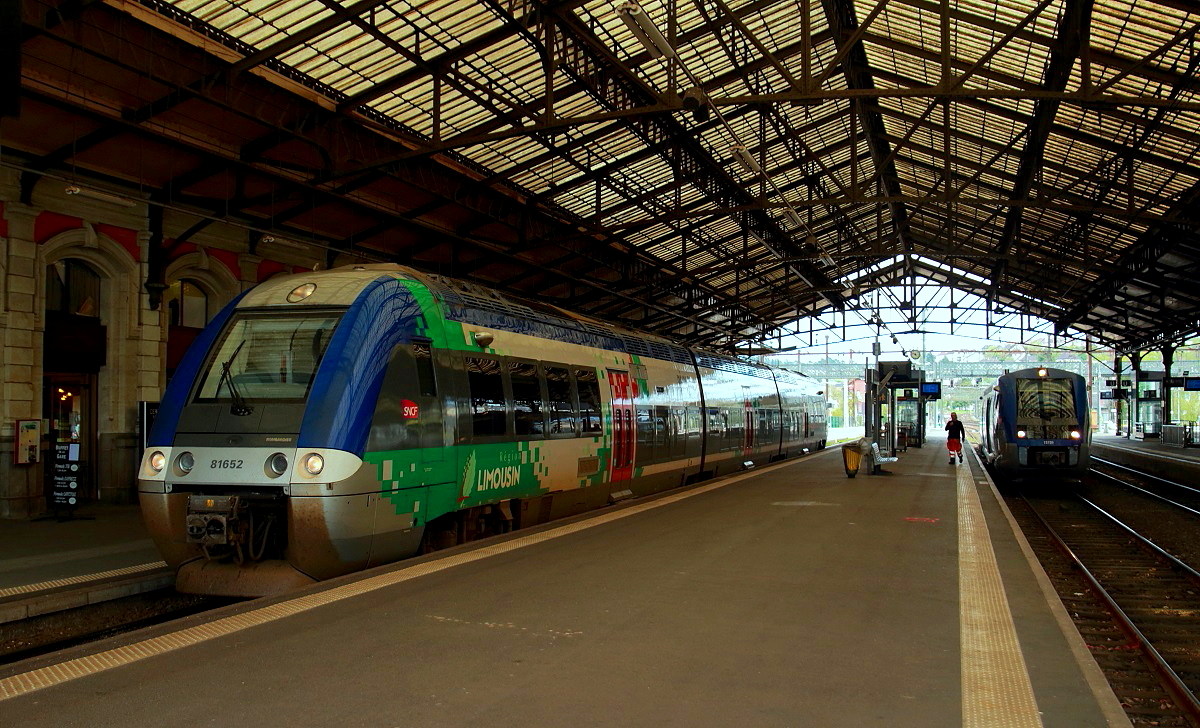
<point>20,684</point>
<point>996,691</point>
<point>42,586</point>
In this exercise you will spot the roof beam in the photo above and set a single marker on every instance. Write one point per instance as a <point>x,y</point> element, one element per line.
<point>1073,29</point>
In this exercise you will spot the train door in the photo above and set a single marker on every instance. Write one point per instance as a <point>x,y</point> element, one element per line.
<point>624,431</point>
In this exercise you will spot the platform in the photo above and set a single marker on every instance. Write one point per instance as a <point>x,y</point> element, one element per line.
<point>1166,461</point>
<point>102,538</point>
<point>787,596</point>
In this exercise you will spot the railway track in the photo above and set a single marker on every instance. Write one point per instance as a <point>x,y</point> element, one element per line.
<point>1136,605</point>
<point>1182,496</point>
<point>43,618</point>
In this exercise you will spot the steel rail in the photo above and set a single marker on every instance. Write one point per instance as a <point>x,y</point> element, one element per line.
<point>1143,491</point>
<point>1184,696</point>
<point>1147,476</point>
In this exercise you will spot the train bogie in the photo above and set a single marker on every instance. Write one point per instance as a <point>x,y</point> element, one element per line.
<point>334,421</point>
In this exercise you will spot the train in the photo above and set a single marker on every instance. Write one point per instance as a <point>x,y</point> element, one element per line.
<point>1036,422</point>
<point>327,422</point>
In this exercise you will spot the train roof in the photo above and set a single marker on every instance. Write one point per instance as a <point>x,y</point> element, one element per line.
<point>473,304</point>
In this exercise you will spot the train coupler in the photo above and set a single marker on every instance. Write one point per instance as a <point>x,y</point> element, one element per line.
<point>213,520</point>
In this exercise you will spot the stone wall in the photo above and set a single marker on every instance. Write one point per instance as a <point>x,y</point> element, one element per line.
<point>111,236</point>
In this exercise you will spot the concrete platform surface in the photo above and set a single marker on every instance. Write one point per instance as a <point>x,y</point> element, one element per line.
<point>103,538</point>
<point>1166,461</point>
<point>789,596</point>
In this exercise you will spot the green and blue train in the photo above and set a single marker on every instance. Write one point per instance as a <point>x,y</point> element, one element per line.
<point>332,421</point>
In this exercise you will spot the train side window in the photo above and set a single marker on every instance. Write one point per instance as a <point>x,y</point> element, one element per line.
<point>676,432</point>
<point>735,428</point>
<point>693,430</point>
<point>560,401</point>
<point>426,383</point>
<point>489,407</point>
<point>646,434</point>
<point>528,411</point>
<point>589,400</point>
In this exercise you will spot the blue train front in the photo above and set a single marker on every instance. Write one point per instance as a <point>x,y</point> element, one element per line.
<point>254,481</point>
<point>1036,422</point>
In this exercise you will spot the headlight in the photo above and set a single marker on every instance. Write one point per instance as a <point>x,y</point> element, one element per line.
<point>158,461</point>
<point>301,292</point>
<point>314,463</point>
<point>1020,433</point>
<point>277,463</point>
<point>1075,434</point>
<point>185,462</point>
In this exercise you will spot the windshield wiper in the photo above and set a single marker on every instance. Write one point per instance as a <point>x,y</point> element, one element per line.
<point>239,407</point>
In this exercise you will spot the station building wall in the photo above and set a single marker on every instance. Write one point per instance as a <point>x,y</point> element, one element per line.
<point>108,238</point>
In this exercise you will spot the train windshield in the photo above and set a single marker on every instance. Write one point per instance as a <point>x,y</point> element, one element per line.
<point>1049,403</point>
<point>267,357</point>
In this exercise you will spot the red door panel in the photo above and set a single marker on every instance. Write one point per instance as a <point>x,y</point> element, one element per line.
<point>623,431</point>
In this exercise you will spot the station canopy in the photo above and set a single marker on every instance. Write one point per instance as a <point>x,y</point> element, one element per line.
<point>713,171</point>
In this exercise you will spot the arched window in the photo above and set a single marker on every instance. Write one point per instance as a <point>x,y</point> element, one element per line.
<point>75,338</point>
<point>187,305</point>
<point>72,287</point>
<point>188,310</point>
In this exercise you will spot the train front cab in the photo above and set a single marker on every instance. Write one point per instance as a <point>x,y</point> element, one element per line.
<point>254,482</point>
<point>1037,421</point>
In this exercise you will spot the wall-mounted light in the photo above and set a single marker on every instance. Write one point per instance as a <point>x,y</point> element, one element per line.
<point>482,339</point>
<point>639,24</point>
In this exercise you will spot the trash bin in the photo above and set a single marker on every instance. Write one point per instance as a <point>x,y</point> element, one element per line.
<point>851,458</point>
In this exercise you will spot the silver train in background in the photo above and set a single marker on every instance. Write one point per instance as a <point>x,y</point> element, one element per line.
<point>1036,422</point>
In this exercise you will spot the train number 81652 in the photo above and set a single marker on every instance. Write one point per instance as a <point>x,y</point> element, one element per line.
<point>226,464</point>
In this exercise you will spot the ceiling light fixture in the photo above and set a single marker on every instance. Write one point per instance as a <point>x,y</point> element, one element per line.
<point>649,36</point>
<point>102,196</point>
<point>743,155</point>
<point>696,101</point>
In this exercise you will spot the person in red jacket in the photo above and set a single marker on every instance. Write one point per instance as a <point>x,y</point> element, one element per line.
<point>954,437</point>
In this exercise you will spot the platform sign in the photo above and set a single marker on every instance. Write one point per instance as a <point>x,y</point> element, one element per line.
<point>66,474</point>
<point>931,390</point>
<point>1191,384</point>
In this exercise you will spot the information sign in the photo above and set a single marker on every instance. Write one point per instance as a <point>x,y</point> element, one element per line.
<point>65,475</point>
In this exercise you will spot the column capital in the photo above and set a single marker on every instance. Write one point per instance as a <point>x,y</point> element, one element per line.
<point>21,218</point>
